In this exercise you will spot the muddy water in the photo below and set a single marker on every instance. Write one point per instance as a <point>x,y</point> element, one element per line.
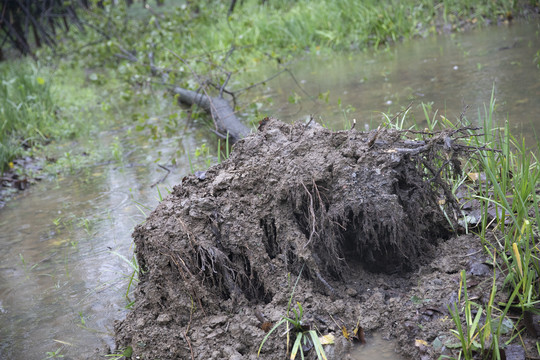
<point>375,348</point>
<point>445,71</point>
<point>61,283</point>
<point>62,279</point>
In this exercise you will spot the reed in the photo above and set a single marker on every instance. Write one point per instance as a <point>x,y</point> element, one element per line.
<point>510,193</point>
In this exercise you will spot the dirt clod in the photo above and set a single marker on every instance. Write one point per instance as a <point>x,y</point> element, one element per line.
<point>356,214</point>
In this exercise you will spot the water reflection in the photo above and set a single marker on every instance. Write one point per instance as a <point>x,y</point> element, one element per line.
<point>447,71</point>
<point>60,284</point>
<point>375,348</point>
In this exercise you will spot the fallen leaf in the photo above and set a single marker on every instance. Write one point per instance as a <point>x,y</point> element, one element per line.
<point>327,339</point>
<point>345,333</point>
<point>420,342</point>
<point>473,176</point>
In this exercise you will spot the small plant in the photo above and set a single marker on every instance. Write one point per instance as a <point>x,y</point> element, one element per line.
<point>86,224</point>
<point>398,121</point>
<point>126,353</point>
<point>133,277</point>
<point>116,149</point>
<point>470,334</point>
<point>81,316</point>
<point>304,335</point>
<point>25,264</point>
<point>203,153</point>
<point>55,354</point>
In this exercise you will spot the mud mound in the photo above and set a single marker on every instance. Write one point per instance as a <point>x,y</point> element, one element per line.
<point>352,209</point>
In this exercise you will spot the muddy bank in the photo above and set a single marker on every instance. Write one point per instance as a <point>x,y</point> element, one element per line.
<point>23,173</point>
<point>357,212</point>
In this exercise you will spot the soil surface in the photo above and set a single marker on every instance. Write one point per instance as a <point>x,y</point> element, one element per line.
<point>356,217</point>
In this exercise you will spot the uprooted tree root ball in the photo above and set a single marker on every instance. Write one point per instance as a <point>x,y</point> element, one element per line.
<point>356,211</point>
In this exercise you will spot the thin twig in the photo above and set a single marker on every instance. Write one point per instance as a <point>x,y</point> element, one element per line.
<point>200,83</point>
<point>224,84</point>
<point>462,115</point>
<point>219,134</point>
<point>401,112</point>
<point>260,82</point>
<point>299,86</point>
<point>186,332</point>
<point>325,283</point>
<point>164,176</point>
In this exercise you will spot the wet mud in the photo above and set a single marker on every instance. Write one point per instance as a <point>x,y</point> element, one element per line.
<point>357,216</point>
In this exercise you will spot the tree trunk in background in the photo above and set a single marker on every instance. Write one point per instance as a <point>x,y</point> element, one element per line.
<point>222,113</point>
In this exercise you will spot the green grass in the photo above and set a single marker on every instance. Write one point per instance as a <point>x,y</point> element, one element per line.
<point>202,34</point>
<point>512,182</point>
<point>295,326</point>
<point>483,327</point>
<point>513,178</point>
<point>509,192</point>
<point>132,278</point>
<point>339,25</point>
<point>40,106</point>
<point>27,110</point>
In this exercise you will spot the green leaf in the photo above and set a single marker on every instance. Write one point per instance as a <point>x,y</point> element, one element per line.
<point>128,352</point>
<point>296,346</point>
<point>317,345</point>
<point>267,335</point>
<point>300,310</point>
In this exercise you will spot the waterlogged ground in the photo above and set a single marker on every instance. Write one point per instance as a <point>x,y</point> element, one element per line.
<point>61,283</point>
<point>62,277</point>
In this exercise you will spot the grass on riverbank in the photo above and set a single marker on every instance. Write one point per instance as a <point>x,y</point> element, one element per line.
<point>27,110</point>
<point>511,187</point>
<point>39,106</point>
<point>506,182</point>
<point>216,46</point>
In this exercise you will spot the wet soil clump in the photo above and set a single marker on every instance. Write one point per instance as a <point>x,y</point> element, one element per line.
<point>358,215</point>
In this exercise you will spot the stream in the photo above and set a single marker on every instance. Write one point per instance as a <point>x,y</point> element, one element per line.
<point>65,251</point>
<point>65,245</point>
<point>445,72</point>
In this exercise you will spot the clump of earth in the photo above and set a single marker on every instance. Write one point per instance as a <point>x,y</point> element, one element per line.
<point>361,219</point>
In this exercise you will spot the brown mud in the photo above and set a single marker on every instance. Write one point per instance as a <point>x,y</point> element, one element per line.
<point>356,214</point>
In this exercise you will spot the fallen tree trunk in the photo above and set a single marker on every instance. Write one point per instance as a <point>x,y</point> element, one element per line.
<point>227,124</point>
<point>220,110</point>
